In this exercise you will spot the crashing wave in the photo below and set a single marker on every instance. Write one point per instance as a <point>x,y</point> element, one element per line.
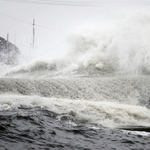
<point>122,49</point>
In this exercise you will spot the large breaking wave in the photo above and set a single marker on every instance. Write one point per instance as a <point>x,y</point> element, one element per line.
<point>122,48</point>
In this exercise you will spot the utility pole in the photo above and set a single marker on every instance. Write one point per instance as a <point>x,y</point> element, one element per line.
<point>7,50</point>
<point>7,42</point>
<point>33,33</point>
<point>15,38</point>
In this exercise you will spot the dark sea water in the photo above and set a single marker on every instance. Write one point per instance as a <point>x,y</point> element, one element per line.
<point>38,129</point>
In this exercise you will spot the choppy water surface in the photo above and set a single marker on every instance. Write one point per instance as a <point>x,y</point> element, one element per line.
<point>37,128</point>
<point>75,113</point>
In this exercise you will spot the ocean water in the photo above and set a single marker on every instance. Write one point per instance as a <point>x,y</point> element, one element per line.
<point>95,97</point>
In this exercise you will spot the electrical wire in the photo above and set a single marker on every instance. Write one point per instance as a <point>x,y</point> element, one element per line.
<point>30,23</point>
<point>14,18</point>
<point>51,2</point>
<point>70,3</point>
<point>65,2</point>
<point>60,3</point>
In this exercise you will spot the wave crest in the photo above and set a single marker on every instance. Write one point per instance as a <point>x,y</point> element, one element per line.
<point>122,48</point>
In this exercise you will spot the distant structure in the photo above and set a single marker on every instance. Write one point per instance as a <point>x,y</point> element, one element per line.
<point>33,33</point>
<point>9,53</point>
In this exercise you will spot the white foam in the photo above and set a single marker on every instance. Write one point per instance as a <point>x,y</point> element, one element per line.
<point>137,133</point>
<point>110,114</point>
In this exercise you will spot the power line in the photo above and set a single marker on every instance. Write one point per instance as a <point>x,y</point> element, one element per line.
<point>30,23</point>
<point>67,3</point>
<point>72,3</point>
<point>54,3</point>
<point>15,18</point>
<point>48,28</point>
<point>60,3</point>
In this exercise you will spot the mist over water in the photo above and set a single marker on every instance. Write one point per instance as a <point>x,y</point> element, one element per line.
<point>120,48</point>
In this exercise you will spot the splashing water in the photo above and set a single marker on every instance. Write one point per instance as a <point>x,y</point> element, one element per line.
<point>122,48</point>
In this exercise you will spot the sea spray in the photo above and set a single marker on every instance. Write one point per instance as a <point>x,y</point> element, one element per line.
<point>122,48</point>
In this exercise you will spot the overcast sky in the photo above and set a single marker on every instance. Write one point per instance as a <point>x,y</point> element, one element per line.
<point>54,22</point>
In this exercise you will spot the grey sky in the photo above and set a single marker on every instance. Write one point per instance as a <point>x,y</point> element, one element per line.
<point>57,21</point>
